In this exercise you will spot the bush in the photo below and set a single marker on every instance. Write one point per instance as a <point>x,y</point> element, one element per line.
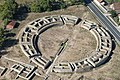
<point>113,13</point>
<point>49,5</point>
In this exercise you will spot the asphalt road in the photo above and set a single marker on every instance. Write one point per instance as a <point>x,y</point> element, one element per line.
<point>105,21</point>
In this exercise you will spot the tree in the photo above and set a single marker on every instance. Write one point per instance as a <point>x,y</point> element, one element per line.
<point>5,22</point>
<point>41,5</point>
<point>35,7</point>
<point>72,2</point>
<point>61,5</point>
<point>45,5</point>
<point>9,8</point>
<point>113,13</point>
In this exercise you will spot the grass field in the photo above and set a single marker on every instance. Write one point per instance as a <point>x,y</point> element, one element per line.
<point>23,1</point>
<point>113,0</point>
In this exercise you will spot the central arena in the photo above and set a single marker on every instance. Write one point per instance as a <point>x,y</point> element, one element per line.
<point>79,46</point>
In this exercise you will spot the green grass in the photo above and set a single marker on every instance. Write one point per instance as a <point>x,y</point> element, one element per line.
<point>113,0</point>
<point>18,1</point>
<point>23,1</point>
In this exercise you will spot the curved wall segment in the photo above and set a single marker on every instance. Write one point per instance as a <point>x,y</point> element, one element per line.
<point>30,38</point>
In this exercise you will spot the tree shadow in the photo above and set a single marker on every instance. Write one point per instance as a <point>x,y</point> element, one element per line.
<point>8,43</point>
<point>22,12</point>
<point>10,35</point>
<point>2,53</point>
<point>17,24</point>
<point>88,1</point>
<point>21,16</point>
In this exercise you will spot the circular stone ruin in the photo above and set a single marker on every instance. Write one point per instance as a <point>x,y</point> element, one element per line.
<point>30,39</point>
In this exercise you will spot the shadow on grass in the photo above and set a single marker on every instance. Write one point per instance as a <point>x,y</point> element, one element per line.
<point>7,44</point>
<point>21,16</point>
<point>17,25</point>
<point>2,53</point>
<point>10,35</point>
